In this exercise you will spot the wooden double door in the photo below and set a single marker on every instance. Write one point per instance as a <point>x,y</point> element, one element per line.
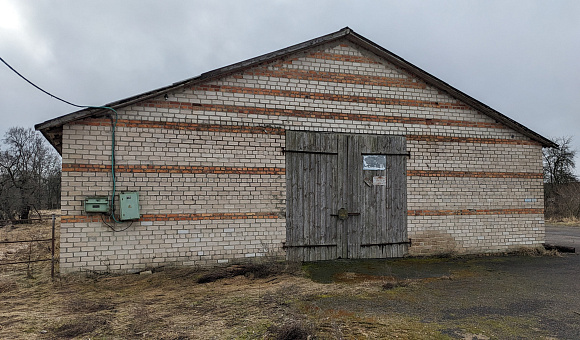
<point>346,196</point>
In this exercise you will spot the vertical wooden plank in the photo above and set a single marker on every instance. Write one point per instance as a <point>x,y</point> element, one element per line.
<point>368,210</point>
<point>290,188</point>
<point>318,192</point>
<point>325,186</point>
<point>332,221</point>
<point>290,217</point>
<point>353,198</point>
<point>318,188</point>
<point>293,207</point>
<point>299,213</point>
<point>403,203</point>
<point>298,225</point>
<point>308,202</point>
<point>340,193</point>
<point>393,201</point>
<point>399,211</point>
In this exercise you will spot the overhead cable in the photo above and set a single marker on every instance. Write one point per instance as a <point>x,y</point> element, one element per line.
<point>33,84</point>
<point>114,123</point>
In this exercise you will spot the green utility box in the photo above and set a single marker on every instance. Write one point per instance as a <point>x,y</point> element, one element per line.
<point>129,205</point>
<point>97,204</point>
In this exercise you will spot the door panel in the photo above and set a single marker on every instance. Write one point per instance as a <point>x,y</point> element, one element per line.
<point>384,226</point>
<point>325,173</point>
<point>311,198</point>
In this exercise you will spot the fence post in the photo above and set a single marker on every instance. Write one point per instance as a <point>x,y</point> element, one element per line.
<point>53,242</point>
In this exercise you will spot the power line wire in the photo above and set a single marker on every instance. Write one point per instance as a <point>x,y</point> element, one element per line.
<point>114,125</point>
<point>33,84</point>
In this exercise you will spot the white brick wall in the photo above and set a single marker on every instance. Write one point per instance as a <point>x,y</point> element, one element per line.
<point>267,104</point>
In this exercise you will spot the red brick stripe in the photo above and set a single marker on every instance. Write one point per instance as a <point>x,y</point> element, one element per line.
<point>244,216</point>
<point>316,114</point>
<point>329,56</point>
<point>208,216</point>
<point>331,77</point>
<point>332,97</point>
<point>145,124</point>
<point>476,174</point>
<point>342,57</point>
<point>177,217</point>
<point>450,139</point>
<point>175,169</point>
<point>181,169</point>
<point>474,212</point>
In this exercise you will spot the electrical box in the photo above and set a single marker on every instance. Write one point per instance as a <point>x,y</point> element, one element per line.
<point>97,204</point>
<point>129,205</point>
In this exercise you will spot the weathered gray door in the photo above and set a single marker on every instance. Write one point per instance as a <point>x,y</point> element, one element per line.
<point>346,196</point>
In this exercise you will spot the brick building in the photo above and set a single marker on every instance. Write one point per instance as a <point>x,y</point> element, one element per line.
<point>332,148</point>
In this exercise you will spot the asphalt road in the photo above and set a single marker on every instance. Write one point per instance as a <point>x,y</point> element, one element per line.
<point>489,297</point>
<point>563,236</point>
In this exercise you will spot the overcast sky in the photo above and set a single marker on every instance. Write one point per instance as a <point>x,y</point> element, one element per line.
<point>521,58</point>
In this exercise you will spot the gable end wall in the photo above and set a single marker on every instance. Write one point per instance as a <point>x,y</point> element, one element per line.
<point>209,166</point>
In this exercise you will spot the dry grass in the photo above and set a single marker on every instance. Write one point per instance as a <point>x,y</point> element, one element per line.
<point>535,251</point>
<point>267,300</point>
<point>564,221</point>
<point>16,252</point>
<point>170,304</point>
<point>250,301</point>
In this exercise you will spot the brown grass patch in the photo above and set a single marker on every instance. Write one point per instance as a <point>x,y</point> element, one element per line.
<point>392,284</point>
<point>85,305</point>
<point>262,300</point>
<point>83,325</point>
<point>564,221</point>
<point>26,251</point>
<point>535,251</point>
<point>293,330</point>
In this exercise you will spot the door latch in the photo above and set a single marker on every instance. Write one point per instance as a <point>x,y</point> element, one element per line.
<point>343,214</point>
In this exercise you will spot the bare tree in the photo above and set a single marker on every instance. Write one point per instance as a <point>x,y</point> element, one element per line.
<point>561,187</point>
<point>559,162</point>
<point>29,173</point>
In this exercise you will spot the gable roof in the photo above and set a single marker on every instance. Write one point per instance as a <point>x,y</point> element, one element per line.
<point>52,129</point>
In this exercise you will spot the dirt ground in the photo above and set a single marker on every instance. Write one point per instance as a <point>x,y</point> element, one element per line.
<point>524,296</point>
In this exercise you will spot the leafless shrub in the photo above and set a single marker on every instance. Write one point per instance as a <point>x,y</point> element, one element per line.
<point>563,201</point>
<point>535,251</point>
<point>391,284</point>
<point>80,326</point>
<point>293,330</point>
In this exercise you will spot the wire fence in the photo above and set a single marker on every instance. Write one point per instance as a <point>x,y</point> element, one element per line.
<point>33,241</point>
